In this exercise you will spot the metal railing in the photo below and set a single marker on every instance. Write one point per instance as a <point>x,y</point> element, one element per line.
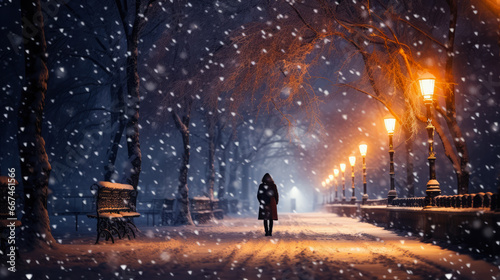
<point>475,200</point>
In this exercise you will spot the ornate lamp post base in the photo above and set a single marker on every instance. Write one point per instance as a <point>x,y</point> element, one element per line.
<point>365,198</point>
<point>353,200</point>
<point>432,191</point>
<point>391,195</point>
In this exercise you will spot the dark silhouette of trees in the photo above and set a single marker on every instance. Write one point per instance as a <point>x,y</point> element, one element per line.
<point>287,51</point>
<point>95,75</point>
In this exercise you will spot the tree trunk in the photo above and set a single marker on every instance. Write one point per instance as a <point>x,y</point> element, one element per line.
<point>233,170</point>
<point>132,128</point>
<point>35,166</point>
<point>223,162</point>
<point>245,177</point>
<point>182,212</point>
<point>462,172</point>
<point>211,160</point>
<point>211,164</point>
<point>118,121</point>
<point>222,172</point>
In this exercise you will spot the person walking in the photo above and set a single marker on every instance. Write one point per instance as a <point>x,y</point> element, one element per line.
<point>268,200</point>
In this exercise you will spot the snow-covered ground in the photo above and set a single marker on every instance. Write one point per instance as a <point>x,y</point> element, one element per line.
<point>303,246</point>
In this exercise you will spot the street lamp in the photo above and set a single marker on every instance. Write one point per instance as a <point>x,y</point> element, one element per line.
<point>426,82</point>
<point>336,174</point>
<point>362,150</point>
<point>352,161</point>
<point>390,125</point>
<point>327,181</point>
<point>342,169</point>
<point>331,188</point>
<point>323,184</point>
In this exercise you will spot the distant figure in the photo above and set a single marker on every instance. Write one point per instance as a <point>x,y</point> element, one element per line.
<point>268,199</point>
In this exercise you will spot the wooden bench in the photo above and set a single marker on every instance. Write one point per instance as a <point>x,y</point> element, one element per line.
<point>202,209</point>
<point>114,210</point>
<point>217,209</point>
<point>8,217</point>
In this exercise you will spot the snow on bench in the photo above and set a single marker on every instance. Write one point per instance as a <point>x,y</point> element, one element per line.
<point>202,209</point>
<point>114,210</point>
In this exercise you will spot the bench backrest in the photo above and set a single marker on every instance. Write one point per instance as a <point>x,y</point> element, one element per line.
<point>203,204</point>
<point>112,197</point>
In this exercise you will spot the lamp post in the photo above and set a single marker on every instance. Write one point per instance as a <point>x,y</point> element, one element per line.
<point>327,184</point>
<point>323,184</point>
<point>426,82</point>
<point>362,150</point>
<point>352,161</point>
<point>390,125</point>
<point>331,187</point>
<point>336,174</point>
<point>342,169</point>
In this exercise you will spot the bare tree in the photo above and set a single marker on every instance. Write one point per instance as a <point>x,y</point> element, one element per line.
<point>260,139</point>
<point>133,21</point>
<point>106,61</point>
<point>182,122</point>
<point>225,136</point>
<point>285,53</point>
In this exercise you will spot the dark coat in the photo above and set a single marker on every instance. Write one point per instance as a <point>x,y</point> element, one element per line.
<point>268,198</point>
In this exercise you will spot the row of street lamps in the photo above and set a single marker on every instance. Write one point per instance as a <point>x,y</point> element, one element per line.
<point>426,83</point>
<point>352,161</point>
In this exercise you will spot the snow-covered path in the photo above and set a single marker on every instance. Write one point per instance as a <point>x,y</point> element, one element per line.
<point>303,246</point>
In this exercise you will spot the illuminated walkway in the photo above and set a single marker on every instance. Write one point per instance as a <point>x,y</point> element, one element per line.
<point>303,246</point>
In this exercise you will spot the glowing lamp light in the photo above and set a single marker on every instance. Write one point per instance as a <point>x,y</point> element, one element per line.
<point>426,82</point>
<point>352,160</point>
<point>336,172</point>
<point>342,167</point>
<point>330,177</point>
<point>390,124</point>
<point>362,149</point>
<point>327,181</point>
<point>323,183</point>
<point>294,192</point>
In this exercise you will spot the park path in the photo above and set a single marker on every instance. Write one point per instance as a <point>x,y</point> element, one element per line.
<point>303,246</point>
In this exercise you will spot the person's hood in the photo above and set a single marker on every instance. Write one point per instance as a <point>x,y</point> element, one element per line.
<point>267,179</point>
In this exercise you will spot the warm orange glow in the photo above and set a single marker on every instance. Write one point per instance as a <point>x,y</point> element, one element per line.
<point>390,124</point>
<point>342,167</point>
<point>327,181</point>
<point>330,177</point>
<point>352,160</point>
<point>362,149</point>
<point>323,183</point>
<point>336,172</point>
<point>426,82</point>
